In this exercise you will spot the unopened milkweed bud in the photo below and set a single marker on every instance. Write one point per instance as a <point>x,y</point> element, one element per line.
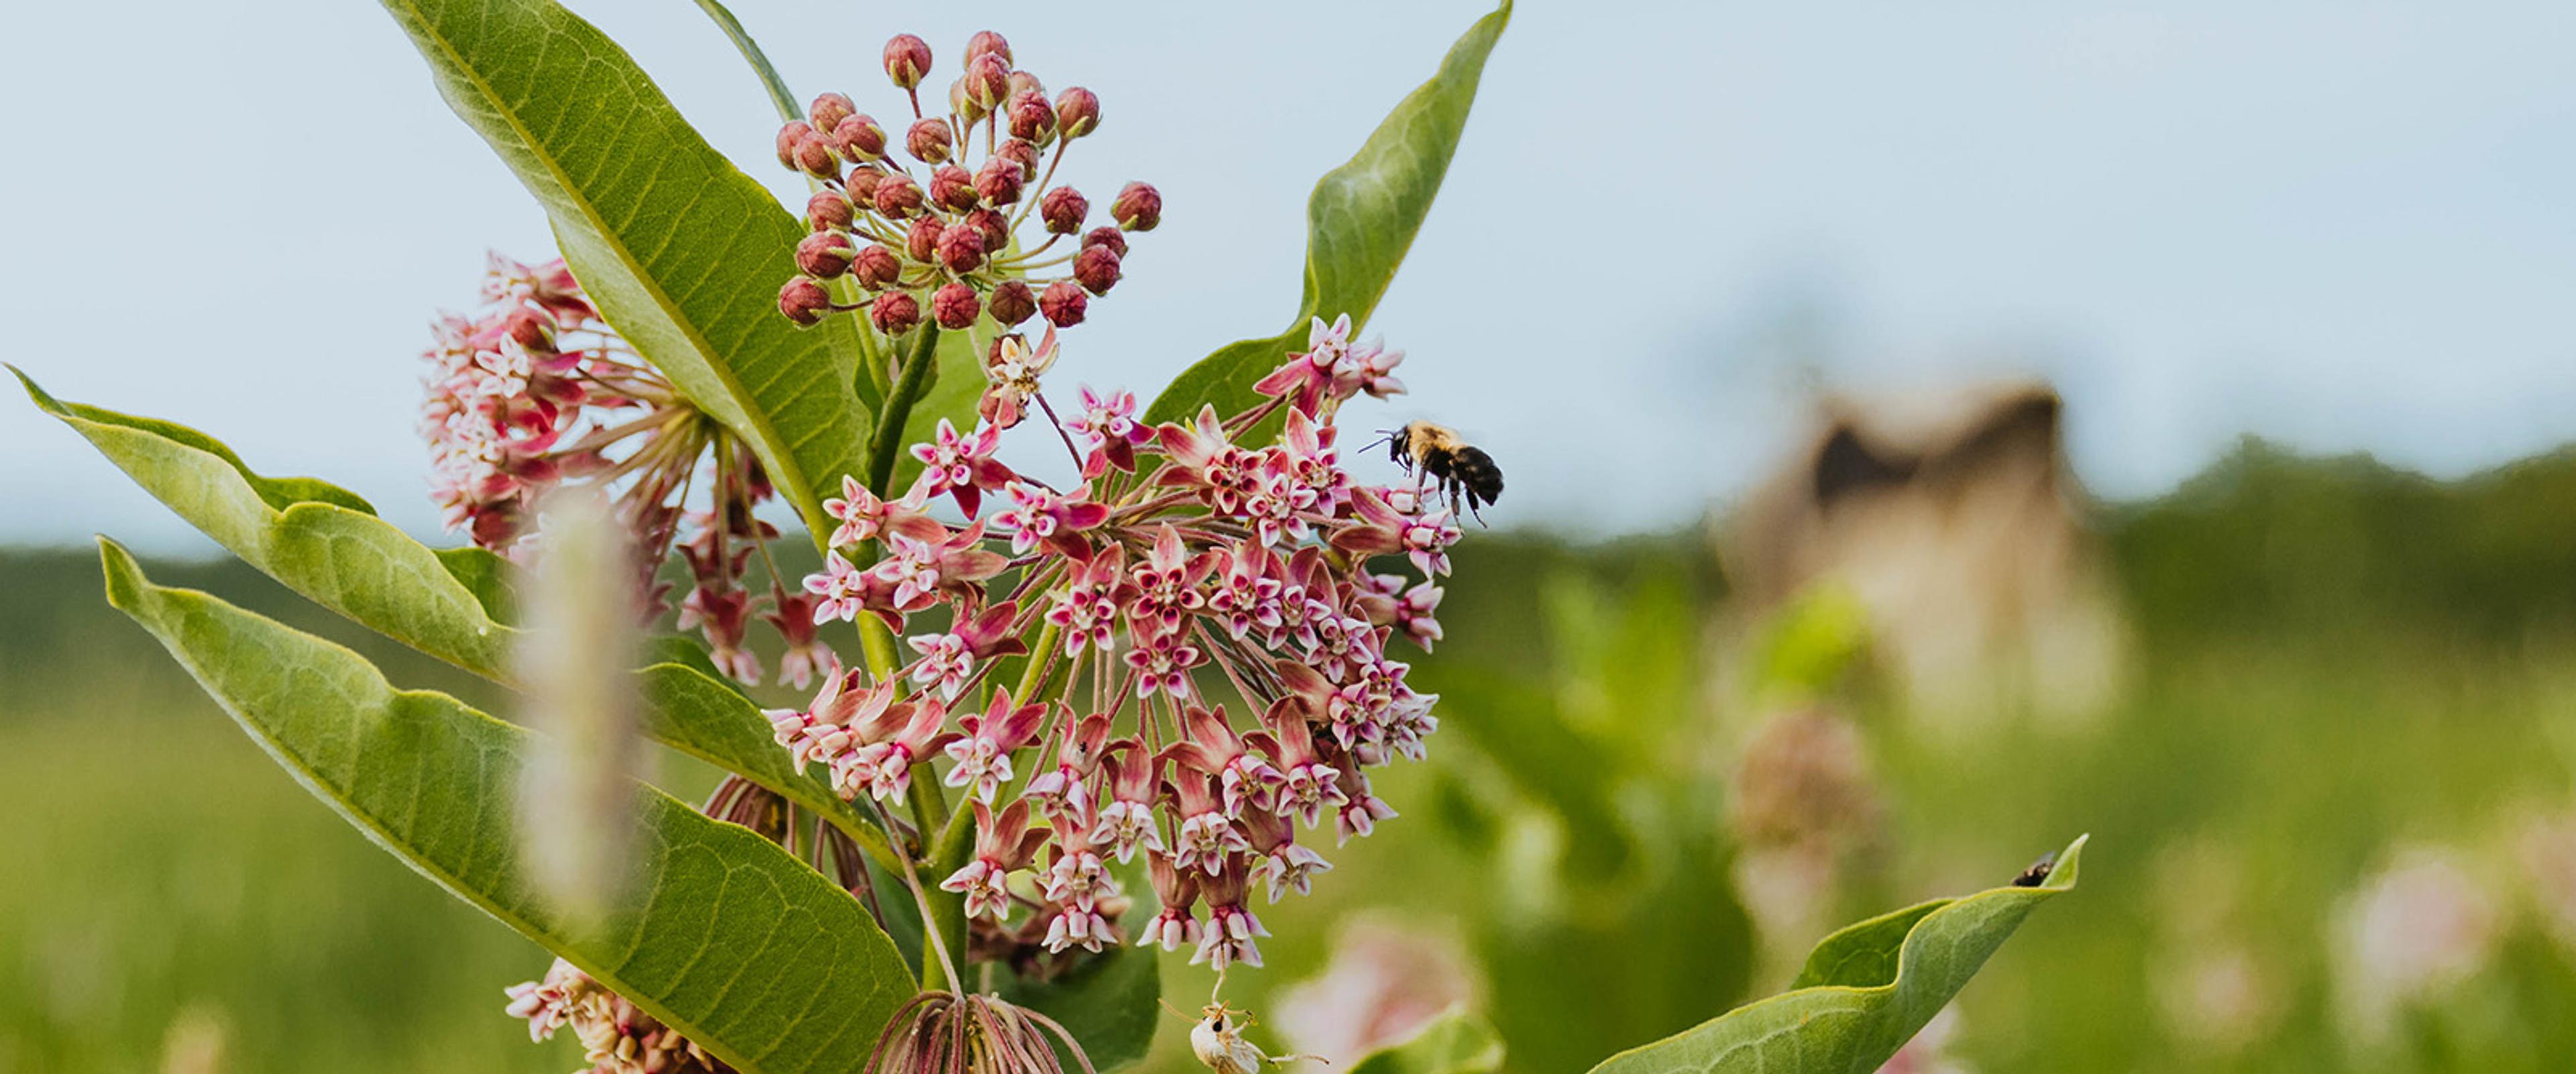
<point>929,140</point>
<point>875,266</point>
<point>791,134</point>
<point>895,313</point>
<point>829,109</point>
<point>830,210</point>
<point>1096,269</point>
<point>1024,82</point>
<point>804,301</point>
<point>988,81</point>
<point>1064,209</point>
<point>862,184</point>
<point>995,226</point>
<point>814,156</point>
<point>955,306</point>
<point>922,242</point>
<point>961,248</point>
<point>1064,304</point>
<point>1032,118</point>
<point>951,188</point>
<point>1022,153</point>
<point>860,138</point>
<point>962,103</point>
<point>907,59</point>
<point>1139,207</point>
<point>999,180</point>
<point>1012,303</point>
<point>1108,236</point>
<point>898,197</point>
<point>986,42</point>
<point>824,254</point>
<point>1077,112</point>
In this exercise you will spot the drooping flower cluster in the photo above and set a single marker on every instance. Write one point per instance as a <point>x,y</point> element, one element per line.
<point>535,389</point>
<point>943,244</point>
<point>616,1038</point>
<point>1208,669</point>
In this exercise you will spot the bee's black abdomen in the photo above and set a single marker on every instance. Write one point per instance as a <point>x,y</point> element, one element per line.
<point>1475,471</point>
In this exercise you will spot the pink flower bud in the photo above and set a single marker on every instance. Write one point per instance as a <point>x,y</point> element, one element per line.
<point>895,312</point>
<point>1110,237</point>
<point>1097,269</point>
<point>995,226</point>
<point>804,301</point>
<point>998,181</point>
<point>1139,207</point>
<point>960,102</point>
<point>1077,112</point>
<point>922,242</point>
<point>860,138</point>
<point>987,43</point>
<point>1024,154</point>
<point>814,155</point>
<point>907,58</point>
<point>875,266</point>
<point>929,140</point>
<point>1063,303</point>
<point>898,197</point>
<point>830,210</point>
<point>956,306</point>
<point>988,81</point>
<point>952,189</point>
<point>824,254</point>
<point>1064,209</point>
<point>1032,118</point>
<point>790,135</point>
<point>862,184</point>
<point>1023,83</point>
<point>1012,303</point>
<point>962,249</point>
<point>828,110</point>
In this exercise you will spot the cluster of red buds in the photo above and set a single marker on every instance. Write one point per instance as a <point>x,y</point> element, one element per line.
<point>943,245</point>
<point>535,390</point>
<point>1187,547</point>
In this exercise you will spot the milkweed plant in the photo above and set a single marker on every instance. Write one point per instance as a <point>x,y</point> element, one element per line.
<point>1051,727</point>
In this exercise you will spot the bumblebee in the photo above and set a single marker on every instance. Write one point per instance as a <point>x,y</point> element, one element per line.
<point>2038,872</point>
<point>1455,467</point>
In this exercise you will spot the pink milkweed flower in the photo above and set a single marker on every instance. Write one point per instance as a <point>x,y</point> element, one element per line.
<point>862,515</point>
<point>1011,375</point>
<point>1307,381</point>
<point>1414,615</point>
<point>948,661</point>
<point>1231,925</point>
<point>983,752</point>
<point>961,465</point>
<point>1368,367</point>
<point>547,284</point>
<point>843,716</point>
<point>1246,594</point>
<point>1205,835</point>
<point>1361,809</point>
<point>883,768</point>
<point>1109,423</point>
<point>1044,516</point>
<point>1127,822</point>
<point>1003,843</point>
<point>1306,784</point>
<point>839,585</point>
<point>1174,927</point>
<point>1209,745</point>
<point>1081,926</point>
<point>1284,863</point>
<point>726,617</point>
<point>1427,540</point>
<point>792,615</point>
<point>1064,792</point>
<point>1205,459</point>
<point>1163,665</point>
<point>1078,879</point>
<point>1167,587</point>
<point>1307,450</point>
<point>1086,608</point>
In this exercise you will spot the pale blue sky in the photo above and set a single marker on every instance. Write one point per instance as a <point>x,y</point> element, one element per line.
<point>2342,225</point>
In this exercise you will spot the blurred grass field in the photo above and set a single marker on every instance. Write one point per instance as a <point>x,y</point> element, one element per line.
<point>2333,662</point>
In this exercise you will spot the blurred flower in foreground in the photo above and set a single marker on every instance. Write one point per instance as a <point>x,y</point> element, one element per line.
<point>1385,981</point>
<point>2413,931</point>
<point>1806,812</point>
<point>575,792</point>
<point>2548,854</point>
<point>2216,998</point>
<point>1926,1053</point>
<point>196,1042</point>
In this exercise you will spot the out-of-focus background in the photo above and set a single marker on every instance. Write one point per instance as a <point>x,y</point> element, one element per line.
<point>1930,436</point>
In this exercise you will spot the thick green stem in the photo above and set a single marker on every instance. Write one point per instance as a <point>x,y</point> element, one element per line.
<point>910,383</point>
<point>779,96</point>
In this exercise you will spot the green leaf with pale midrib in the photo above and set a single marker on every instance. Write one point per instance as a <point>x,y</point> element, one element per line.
<point>1867,989</point>
<point>314,537</point>
<point>1359,223</point>
<point>1455,1042</point>
<point>745,950</point>
<point>681,250</point>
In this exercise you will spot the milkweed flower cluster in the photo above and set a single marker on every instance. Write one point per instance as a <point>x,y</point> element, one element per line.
<point>942,243</point>
<point>1190,557</point>
<point>534,389</point>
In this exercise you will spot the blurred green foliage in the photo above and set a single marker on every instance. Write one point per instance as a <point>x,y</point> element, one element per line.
<point>2332,661</point>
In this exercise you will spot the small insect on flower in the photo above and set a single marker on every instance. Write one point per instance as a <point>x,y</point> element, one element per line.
<point>1216,1037</point>
<point>2038,872</point>
<point>1455,466</point>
